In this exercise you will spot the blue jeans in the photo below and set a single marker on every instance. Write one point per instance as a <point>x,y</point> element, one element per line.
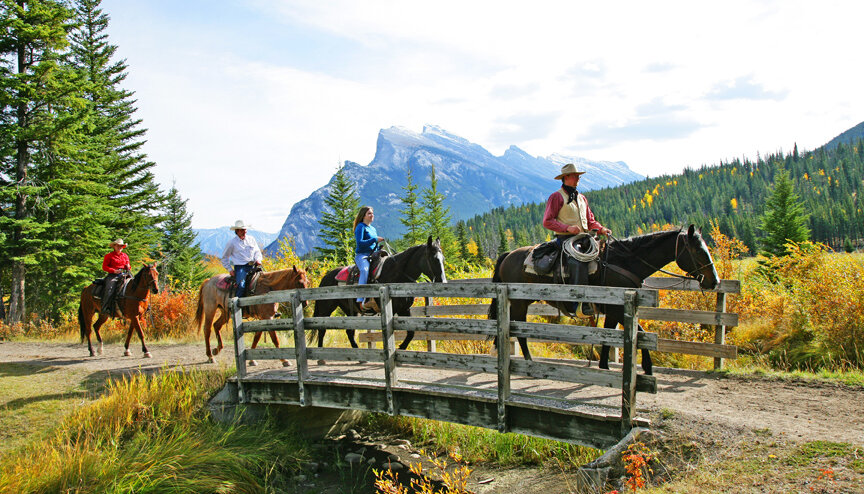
<point>362,262</point>
<point>240,273</point>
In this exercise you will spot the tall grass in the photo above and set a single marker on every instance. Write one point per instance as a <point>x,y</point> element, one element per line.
<point>154,434</point>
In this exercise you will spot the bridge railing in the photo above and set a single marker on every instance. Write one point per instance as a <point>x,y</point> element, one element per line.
<point>721,320</point>
<point>512,413</point>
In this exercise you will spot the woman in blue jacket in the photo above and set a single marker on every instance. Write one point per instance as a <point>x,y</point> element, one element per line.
<point>367,242</point>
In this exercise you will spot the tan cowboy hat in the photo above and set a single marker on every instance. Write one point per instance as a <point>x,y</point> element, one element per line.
<point>567,170</point>
<point>119,241</point>
<point>240,225</point>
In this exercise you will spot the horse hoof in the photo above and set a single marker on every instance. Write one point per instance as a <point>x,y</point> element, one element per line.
<point>99,351</point>
<point>127,353</point>
<point>211,360</point>
<point>322,362</point>
<point>216,351</point>
<point>92,353</point>
<point>147,355</point>
<point>252,363</point>
<point>286,363</point>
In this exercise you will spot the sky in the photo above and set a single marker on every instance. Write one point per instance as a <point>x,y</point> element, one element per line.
<point>251,105</point>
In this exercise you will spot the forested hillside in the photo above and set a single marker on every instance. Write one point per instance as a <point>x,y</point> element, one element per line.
<point>828,181</point>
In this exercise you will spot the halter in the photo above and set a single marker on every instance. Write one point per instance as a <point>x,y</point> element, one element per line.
<point>688,275</point>
<point>697,276</point>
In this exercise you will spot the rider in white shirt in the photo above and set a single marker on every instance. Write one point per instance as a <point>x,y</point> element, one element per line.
<point>240,255</point>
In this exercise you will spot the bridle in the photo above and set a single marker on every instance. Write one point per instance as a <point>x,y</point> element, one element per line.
<point>698,277</point>
<point>695,273</point>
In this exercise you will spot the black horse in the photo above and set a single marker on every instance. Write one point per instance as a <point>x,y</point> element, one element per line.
<point>624,263</point>
<point>404,267</point>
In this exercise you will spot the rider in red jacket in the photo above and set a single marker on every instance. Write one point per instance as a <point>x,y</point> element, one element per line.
<point>116,264</point>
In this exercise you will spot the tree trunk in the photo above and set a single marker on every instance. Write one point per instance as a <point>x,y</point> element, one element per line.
<point>2,304</point>
<point>16,302</point>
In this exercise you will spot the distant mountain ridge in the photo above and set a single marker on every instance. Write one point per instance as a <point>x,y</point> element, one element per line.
<point>212,241</point>
<point>471,179</point>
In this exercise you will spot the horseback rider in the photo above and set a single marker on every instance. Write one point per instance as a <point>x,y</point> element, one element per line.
<point>241,255</point>
<point>568,214</point>
<point>116,264</point>
<point>367,240</point>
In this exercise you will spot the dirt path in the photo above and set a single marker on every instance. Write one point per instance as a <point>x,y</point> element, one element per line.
<point>798,411</point>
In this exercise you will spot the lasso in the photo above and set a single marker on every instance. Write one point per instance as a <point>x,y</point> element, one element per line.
<point>572,250</point>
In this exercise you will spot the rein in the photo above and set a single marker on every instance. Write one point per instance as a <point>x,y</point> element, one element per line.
<point>641,282</point>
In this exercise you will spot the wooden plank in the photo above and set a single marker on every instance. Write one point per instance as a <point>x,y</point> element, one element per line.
<point>273,297</point>
<point>628,368</point>
<point>299,344</point>
<point>472,363</point>
<point>503,322</point>
<point>339,292</point>
<point>451,310</point>
<point>438,290</point>
<point>270,353</point>
<point>268,325</point>
<point>464,326</point>
<point>664,283</point>
<point>345,354</point>
<point>689,316</point>
<point>586,335</point>
<point>389,348</point>
<point>697,348</point>
<point>350,322</point>
<point>720,330</point>
<point>421,336</point>
<point>588,293</point>
<point>239,346</point>
<point>567,373</point>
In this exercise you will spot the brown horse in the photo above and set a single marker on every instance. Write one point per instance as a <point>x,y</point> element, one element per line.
<point>132,305</point>
<point>212,298</point>
<point>625,263</point>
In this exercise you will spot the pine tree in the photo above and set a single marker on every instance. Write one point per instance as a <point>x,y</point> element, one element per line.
<point>436,217</point>
<point>503,244</point>
<point>35,91</point>
<point>411,213</point>
<point>462,240</point>
<point>182,261</point>
<point>784,220</point>
<point>337,221</point>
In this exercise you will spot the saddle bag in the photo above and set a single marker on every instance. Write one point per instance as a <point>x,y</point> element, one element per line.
<point>544,257</point>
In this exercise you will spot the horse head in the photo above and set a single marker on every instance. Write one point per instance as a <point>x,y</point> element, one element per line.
<point>694,258</point>
<point>433,267</point>
<point>151,277</point>
<point>301,281</point>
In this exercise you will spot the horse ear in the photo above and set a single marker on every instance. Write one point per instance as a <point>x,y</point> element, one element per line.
<point>294,268</point>
<point>691,231</point>
<point>438,242</point>
<point>429,241</point>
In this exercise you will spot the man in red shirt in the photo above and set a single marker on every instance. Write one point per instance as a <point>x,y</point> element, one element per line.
<point>116,264</point>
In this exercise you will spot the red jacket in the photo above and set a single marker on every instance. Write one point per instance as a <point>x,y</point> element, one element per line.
<point>115,260</point>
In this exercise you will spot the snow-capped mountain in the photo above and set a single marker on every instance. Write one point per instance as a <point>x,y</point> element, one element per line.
<point>471,179</point>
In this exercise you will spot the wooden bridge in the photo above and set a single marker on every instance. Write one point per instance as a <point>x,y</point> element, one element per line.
<point>558,399</point>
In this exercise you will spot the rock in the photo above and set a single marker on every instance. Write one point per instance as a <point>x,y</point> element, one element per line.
<point>392,457</point>
<point>395,466</point>
<point>352,435</point>
<point>401,442</point>
<point>353,458</point>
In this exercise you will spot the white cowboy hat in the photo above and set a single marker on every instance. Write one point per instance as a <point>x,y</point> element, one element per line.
<point>119,241</point>
<point>240,225</point>
<point>567,170</point>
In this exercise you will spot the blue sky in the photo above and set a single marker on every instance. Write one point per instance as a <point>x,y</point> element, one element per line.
<point>251,105</point>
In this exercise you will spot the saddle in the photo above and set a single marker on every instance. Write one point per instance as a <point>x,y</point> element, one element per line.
<point>546,257</point>
<point>99,291</point>
<point>348,275</point>
<point>229,282</point>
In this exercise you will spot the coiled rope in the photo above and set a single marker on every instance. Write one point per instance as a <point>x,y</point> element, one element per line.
<point>572,249</point>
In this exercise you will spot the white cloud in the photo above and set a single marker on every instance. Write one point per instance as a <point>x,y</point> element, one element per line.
<point>251,124</point>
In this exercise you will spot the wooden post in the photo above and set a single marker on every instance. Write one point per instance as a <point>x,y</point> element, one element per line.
<point>430,343</point>
<point>503,356</point>
<point>239,346</point>
<point>628,370</point>
<point>389,344</point>
<point>299,344</point>
<point>720,331</point>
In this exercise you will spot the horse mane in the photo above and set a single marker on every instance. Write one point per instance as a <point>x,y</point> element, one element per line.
<point>647,241</point>
<point>137,279</point>
<point>280,278</point>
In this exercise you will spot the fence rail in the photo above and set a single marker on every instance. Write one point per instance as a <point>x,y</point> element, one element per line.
<point>505,411</point>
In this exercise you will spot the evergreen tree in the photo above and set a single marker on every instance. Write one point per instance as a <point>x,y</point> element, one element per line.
<point>784,219</point>
<point>337,221</point>
<point>182,264</point>
<point>436,217</point>
<point>503,244</point>
<point>411,213</point>
<point>35,92</point>
<point>462,241</point>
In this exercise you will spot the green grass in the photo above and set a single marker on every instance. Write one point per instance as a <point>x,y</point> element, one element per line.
<point>847,376</point>
<point>479,445</point>
<point>154,434</point>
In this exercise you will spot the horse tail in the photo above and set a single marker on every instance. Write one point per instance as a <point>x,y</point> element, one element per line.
<point>496,278</point>
<point>199,311</point>
<point>81,322</point>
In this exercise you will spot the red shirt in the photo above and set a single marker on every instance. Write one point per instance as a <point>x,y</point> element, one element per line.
<point>553,207</point>
<point>115,260</point>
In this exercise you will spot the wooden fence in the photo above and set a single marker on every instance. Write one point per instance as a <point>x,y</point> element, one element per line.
<point>721,320</point>
<point>502,410</point>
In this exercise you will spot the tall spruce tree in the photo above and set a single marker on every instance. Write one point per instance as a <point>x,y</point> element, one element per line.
<point>462,241</point>
<point>436,216</point>
<point>182,261</point>
<point>35,93</point>
<point>784,220</point>
<point>337,221</point>
<point>411,212</point>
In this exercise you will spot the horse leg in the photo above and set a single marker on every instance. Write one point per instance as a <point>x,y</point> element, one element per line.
<point>217,328</point>
<point>140,332</point>
<point>255,340</point>
<point>275,340</point>
<point>208,323</point>
<point>127,353</point>
<point>647,365</point>
<point>518,312</point>
<point>610,323</point>
<point>85,321</point>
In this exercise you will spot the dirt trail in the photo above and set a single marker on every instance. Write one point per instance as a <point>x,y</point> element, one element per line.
<point>795,410</point>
